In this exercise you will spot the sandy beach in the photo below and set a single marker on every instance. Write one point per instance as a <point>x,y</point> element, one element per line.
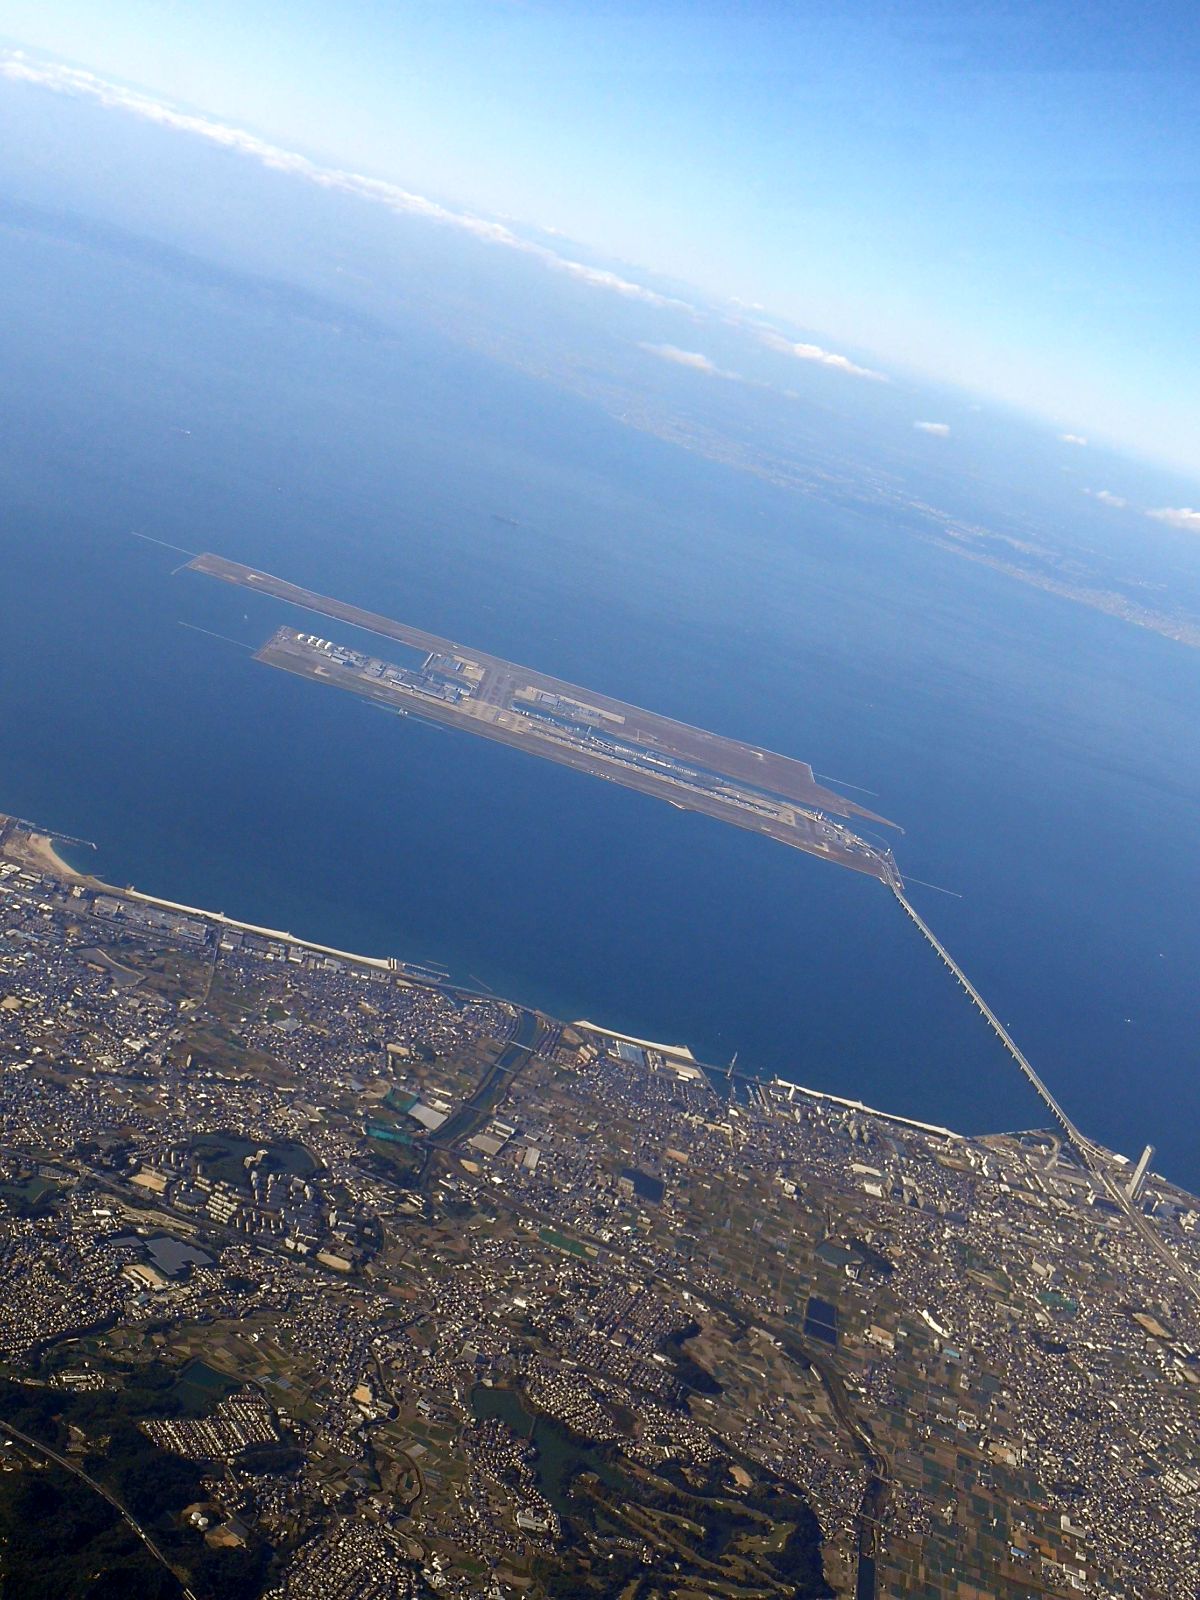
<point>37,852</point>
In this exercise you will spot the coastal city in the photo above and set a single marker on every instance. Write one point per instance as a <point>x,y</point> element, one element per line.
<point>499,501</point>
<point>324,1276</point>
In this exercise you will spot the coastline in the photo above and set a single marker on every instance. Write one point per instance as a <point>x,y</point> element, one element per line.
<point>35,851</point>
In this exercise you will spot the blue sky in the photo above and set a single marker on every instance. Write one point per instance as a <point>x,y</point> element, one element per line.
<point>1003,195</point>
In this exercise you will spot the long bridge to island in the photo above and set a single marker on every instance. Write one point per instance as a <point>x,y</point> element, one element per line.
<point>1032,1077</point>
<point>1098,1161</point>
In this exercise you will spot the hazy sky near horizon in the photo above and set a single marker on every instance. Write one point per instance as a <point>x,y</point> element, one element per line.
<point>1003,195</point>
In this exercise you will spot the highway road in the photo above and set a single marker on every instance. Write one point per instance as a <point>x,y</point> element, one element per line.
<point>126,1516</point>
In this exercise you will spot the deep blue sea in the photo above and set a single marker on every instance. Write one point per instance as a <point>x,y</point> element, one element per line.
<point>1042,758</point>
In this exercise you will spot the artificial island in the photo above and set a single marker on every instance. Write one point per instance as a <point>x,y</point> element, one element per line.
<point>461,687</point>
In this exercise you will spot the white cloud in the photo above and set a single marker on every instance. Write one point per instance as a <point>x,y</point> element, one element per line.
<point>1178,517</point>
<point>1072,438</point>
<point>598,276</point>
<point>823,358</point>
<point>1107,498</point>
<point>940,430</point>
<point>684,358</point>
<point>17,67</point>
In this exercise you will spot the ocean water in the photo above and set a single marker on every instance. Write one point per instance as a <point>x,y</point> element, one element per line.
<point>1041,758</point>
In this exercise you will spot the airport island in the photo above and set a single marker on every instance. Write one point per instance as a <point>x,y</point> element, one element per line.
<point>460,687</point>
<point>328,1277</point>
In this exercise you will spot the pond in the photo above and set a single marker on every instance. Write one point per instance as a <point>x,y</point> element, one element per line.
<point>199,1387</point>
<point>560,1452</point>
